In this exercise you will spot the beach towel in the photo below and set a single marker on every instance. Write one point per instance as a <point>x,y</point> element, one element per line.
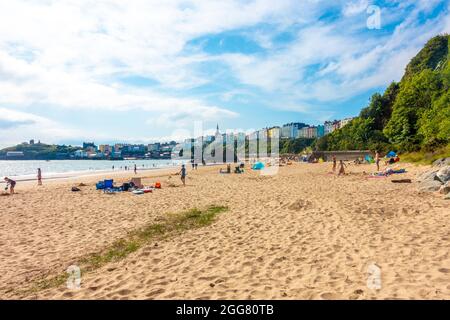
<point>112,190</point>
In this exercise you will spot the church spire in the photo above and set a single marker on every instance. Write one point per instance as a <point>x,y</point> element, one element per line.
<point>217,130</point>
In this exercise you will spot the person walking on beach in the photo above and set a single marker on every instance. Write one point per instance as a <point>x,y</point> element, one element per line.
<point>334,164</point>
<point>183,174</point>
<point>341,168</point>
<point>39,177</point>
<point>377,160</point>
<point>11,184</point>
<point>135,169</point>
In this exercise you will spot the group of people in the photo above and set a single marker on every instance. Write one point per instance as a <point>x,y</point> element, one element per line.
<point>377,159</point>
<point>342,166</point>
<point>11,184</point>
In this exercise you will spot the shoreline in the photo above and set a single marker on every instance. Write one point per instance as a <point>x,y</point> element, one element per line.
<point>68,176</point>
<point>51,176</point>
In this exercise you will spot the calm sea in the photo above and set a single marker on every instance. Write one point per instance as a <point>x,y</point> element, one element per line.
<point>27,169</point>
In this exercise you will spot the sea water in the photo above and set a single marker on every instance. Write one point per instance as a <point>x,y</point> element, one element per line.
<point>27,169</point>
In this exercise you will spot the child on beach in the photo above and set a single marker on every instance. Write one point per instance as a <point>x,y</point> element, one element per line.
<point>39,177</point>
<point>183,174</point>
<point>341,167</point>
<point>334,164</point>
<point>11,184</point>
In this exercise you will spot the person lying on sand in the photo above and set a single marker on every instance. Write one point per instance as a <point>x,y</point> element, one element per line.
<point>342,166</point>
<point>228,170</point>
<point>10,184</point>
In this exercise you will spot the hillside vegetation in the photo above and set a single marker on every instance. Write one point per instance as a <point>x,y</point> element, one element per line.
<point>410,116</point>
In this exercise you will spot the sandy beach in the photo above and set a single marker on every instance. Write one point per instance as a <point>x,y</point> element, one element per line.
<point>301,234</point>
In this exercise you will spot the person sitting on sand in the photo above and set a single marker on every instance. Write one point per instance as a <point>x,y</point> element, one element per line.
<point>334,163</point>
<point>228,169</point>
<point>11,184</point>
<point>341,167</point>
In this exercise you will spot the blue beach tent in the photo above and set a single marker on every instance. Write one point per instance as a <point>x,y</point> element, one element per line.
<point>391,154</point>
<point>258,166</point>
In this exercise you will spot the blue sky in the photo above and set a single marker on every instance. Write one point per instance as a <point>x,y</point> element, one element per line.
<point>138,72</point>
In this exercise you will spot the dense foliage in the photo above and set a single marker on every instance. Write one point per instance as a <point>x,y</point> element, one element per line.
<point>41,151</point>
<point>411,115</point>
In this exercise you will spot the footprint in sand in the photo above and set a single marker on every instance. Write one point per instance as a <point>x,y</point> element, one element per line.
<point>300,204</point>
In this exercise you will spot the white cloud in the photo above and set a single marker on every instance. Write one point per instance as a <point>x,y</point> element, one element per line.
<point>72,54</point>
<point>21,126</point>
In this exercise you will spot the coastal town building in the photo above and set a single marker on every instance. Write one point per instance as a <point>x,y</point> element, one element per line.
<point>89,145</point>
<point>274,132</point>
<point>320,131</point>
<point>328,125</point>
<point>105,148</point>
<point>14,154</point>
<point>345,121</point>
<point>290,130</point>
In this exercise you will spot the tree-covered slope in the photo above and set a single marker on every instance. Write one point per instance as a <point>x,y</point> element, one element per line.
<point>411,115</point>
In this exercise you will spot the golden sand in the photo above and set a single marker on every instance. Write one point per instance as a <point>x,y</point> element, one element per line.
<point>301,234</point>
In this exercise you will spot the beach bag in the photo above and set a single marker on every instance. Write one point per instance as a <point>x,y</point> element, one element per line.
<point>158,185</point>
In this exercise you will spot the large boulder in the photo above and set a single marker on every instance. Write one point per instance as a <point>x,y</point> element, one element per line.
<point>444,174</point>
<point>445,188</point>
<point>442,162</point>
<point>430,185</point>
<point>428,176</point>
